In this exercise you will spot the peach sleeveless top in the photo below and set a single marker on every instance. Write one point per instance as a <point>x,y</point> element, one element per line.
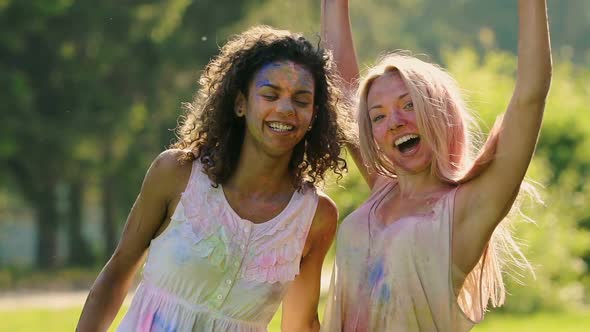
<point>399,279</point>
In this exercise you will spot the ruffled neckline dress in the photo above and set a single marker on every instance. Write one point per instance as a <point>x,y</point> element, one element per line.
<point>211,270</point>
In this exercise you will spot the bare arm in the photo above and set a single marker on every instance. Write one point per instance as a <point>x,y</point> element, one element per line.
<point>145,220</point>
<point>337,36</point>
<point>300,305</point>
<point>484,201</point>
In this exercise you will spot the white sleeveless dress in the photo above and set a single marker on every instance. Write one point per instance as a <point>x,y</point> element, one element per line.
<point>211,270</point>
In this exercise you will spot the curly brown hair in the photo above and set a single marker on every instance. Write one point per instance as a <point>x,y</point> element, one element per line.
<point>211,132</point>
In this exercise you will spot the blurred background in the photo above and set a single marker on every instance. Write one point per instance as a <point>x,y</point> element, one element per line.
<point>91,91</point>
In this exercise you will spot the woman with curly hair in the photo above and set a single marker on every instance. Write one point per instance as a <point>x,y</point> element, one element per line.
<point>427,250</point>
<point>231,214</point>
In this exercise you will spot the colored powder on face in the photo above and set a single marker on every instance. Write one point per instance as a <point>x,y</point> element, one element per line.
<point>262,82</point>
<point>285,73</point>
<point>264,70</point>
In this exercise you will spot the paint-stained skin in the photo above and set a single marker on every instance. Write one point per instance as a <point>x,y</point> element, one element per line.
<point>287,73</point>
<point>281,92</point>
<point>392,115</point>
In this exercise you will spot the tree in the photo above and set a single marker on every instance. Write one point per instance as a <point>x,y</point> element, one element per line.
<point>92,89</point>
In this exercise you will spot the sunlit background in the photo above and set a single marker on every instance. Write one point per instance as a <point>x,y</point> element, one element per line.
<point>91,90</point>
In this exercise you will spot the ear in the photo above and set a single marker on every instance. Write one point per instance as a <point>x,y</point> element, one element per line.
<point>315,116</point>
<point>240,105</point>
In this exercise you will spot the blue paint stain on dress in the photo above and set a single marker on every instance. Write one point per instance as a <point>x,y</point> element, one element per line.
<point>376,273</point>
<point>181,253</point>
<point>385,293</point>
<point>159,324</point>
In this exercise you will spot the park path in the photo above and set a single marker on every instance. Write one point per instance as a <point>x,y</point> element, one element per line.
<point>19,300</point>
<point>46,300</point>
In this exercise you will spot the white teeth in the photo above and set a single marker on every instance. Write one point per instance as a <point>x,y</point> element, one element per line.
<point>404,139</point>
<point>278,126</point>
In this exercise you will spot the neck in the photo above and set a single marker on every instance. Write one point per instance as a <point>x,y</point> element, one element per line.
<point>259,172</point>
<point>413,185</point>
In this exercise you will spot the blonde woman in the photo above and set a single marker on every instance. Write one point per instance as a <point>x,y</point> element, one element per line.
<point>425,251</point>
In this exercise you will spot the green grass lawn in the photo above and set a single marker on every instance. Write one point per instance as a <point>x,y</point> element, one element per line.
<point>539,322</point>
<point>47,320</point>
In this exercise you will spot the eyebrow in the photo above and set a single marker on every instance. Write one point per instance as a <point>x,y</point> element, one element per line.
<point>279,88</point>
<point>402,96</point>
<point>375,107</point>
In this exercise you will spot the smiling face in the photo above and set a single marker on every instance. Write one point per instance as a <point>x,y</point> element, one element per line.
<point>394,125</point>
<point>279,107</point>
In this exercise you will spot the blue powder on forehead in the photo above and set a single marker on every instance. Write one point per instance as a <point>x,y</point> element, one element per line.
<point>263,82</point>
<point>263,69</point>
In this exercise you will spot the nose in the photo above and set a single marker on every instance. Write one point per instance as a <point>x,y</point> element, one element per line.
<point>285,106</point>
<point>396,120</point>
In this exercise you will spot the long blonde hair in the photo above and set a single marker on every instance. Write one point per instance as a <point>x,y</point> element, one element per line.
<point>446,124</point>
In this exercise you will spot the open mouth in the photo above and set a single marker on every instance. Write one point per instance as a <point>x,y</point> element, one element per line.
<point>280,127</point>
<point>407,142</point>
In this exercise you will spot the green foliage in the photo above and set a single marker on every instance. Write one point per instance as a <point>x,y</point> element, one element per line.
<point>423,26</point>
<point>303,16</point>
<point>92,89</point>
<point>557,244</point>
<point>350,192</point>
<point>556,322</point>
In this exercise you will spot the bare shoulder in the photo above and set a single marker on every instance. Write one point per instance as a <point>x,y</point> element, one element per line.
<point>327,208</point>
<point>171,161</point>
<point>168,173</point>
<point>323,228</point>
<point>325,220</point>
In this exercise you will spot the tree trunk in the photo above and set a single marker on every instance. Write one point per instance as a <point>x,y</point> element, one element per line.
<point>47,227</point>
<point>108,209</point>
<point>38,184</point>
<point>79,252</point>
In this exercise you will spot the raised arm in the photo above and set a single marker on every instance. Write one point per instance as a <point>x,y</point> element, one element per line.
<point>146,219</point>
<point>300,305</point>
<point>484,201</point>
<point>337,36</point>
